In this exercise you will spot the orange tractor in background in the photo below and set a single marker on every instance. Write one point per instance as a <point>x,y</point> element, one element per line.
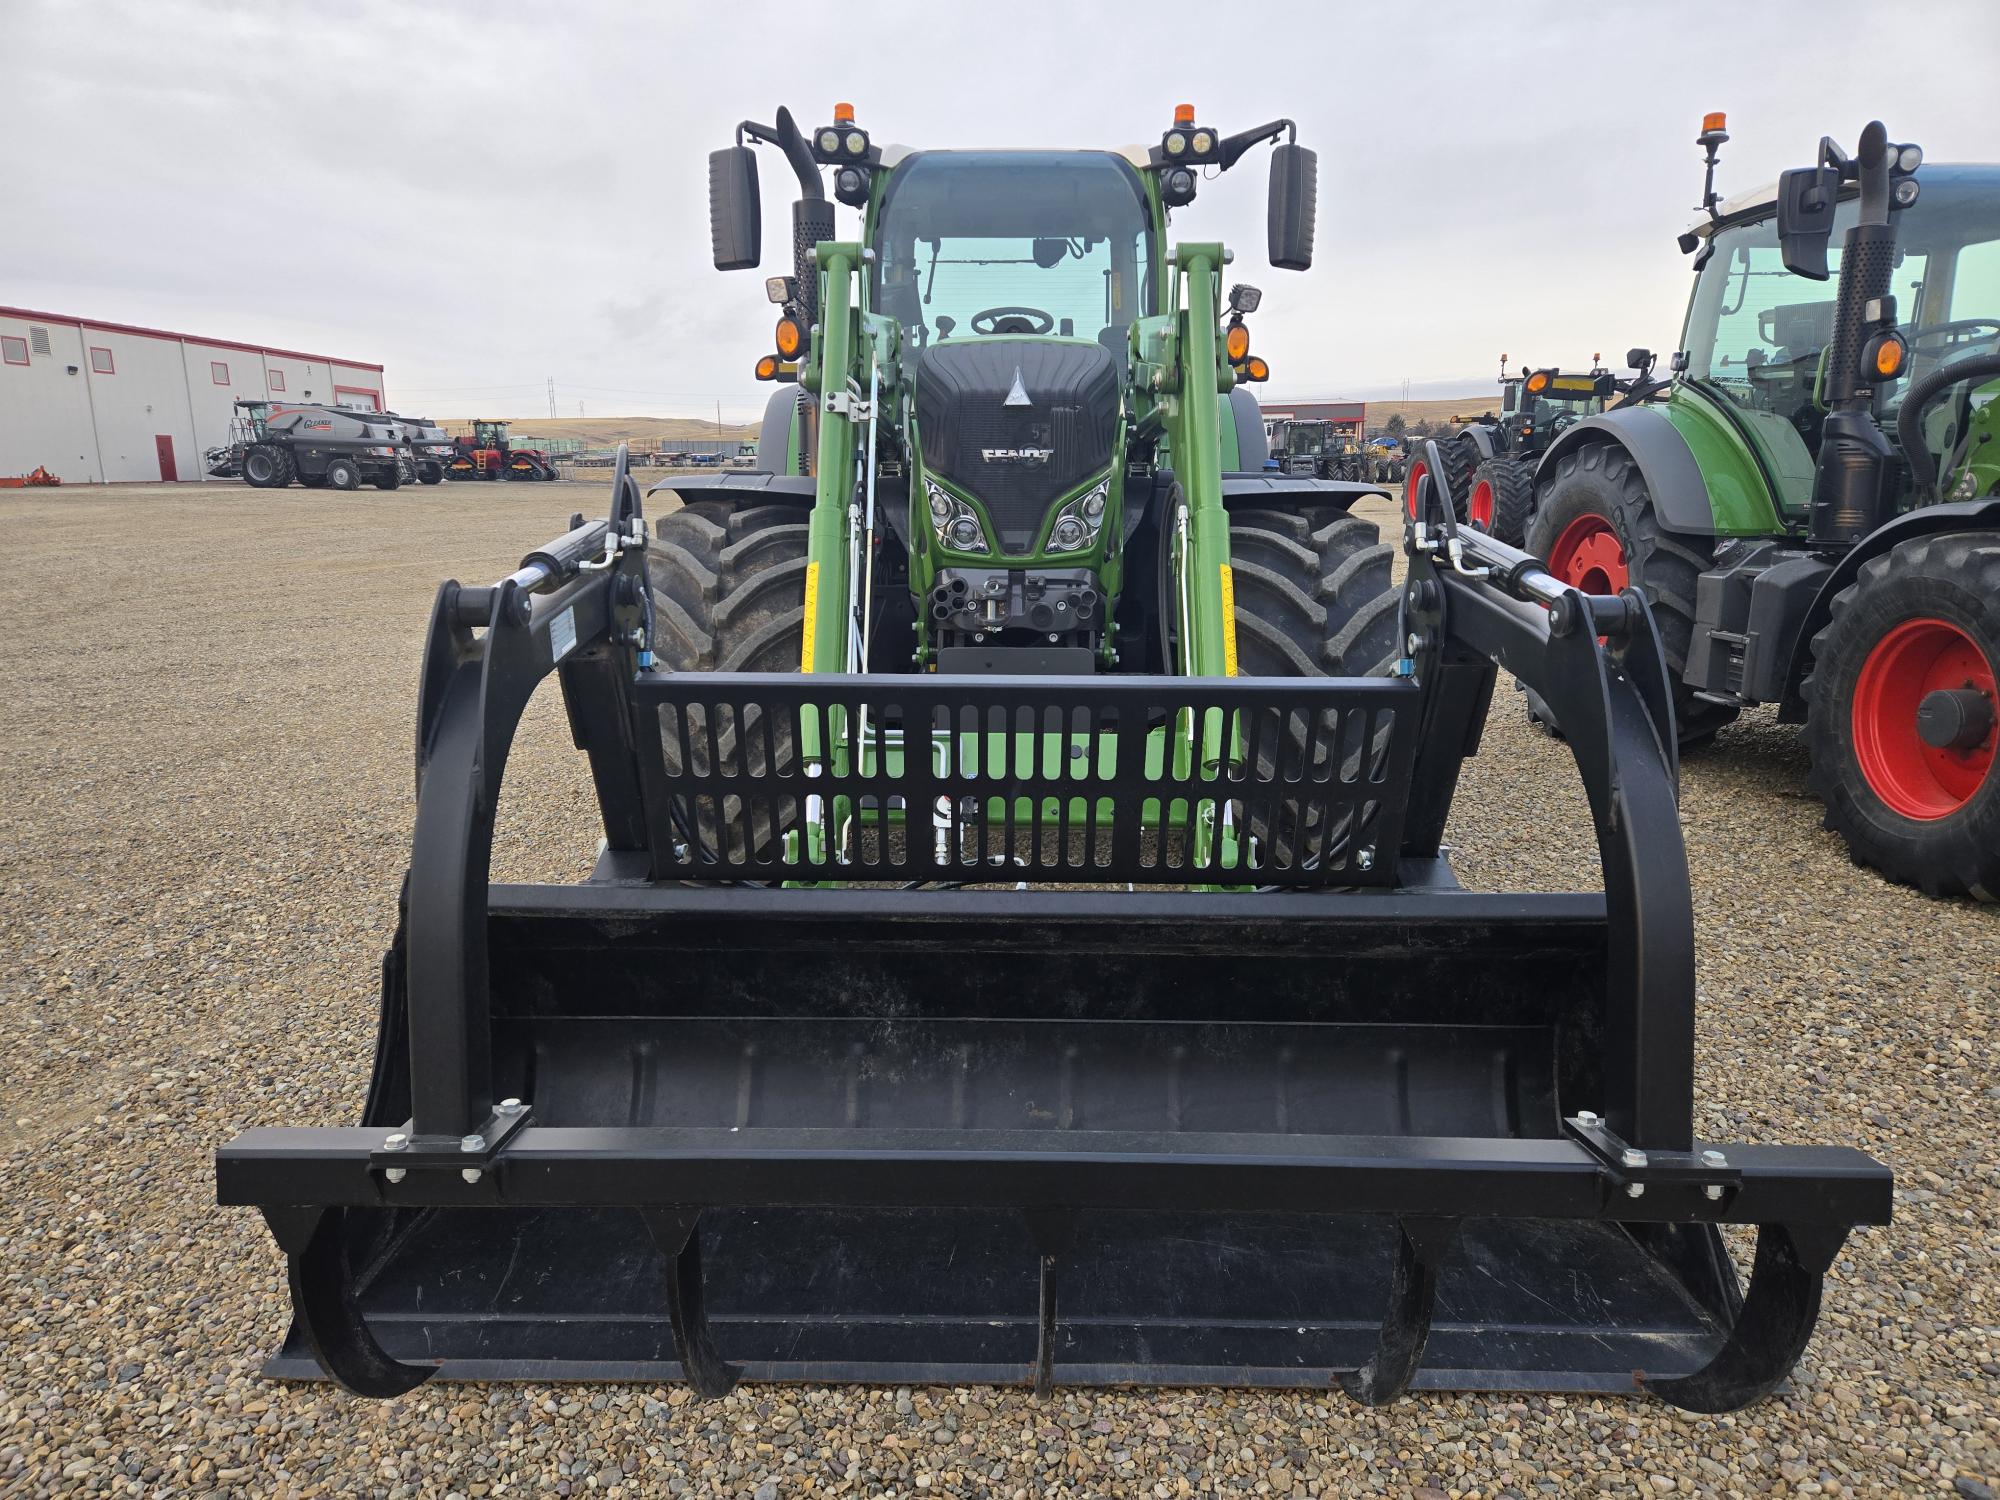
<point>486,454</point>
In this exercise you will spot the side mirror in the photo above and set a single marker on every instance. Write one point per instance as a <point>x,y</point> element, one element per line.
<point>1640,358</point>
<point>735,225</point>
<point>1806,196</point>
<point>1294,203</point>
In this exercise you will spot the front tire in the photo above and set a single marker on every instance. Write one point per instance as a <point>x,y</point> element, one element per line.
<point>389,479</point>
<point>430,473</point>
<point>1460,459</point>
<point>1919,627</point>
<point>267,468</point>
<point>1597,528</point>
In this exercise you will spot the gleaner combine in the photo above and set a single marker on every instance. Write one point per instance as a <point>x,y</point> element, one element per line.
<point>1021,948</point>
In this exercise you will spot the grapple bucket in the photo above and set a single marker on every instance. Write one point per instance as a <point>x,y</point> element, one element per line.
<point>801,1086</point>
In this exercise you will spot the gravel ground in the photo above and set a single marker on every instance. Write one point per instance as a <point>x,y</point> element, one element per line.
<point>206,762</point>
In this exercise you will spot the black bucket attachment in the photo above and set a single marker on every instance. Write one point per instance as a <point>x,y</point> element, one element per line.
<point>784,1093</point>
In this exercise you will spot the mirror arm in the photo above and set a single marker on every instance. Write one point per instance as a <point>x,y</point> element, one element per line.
<point>787,137</point>
<point>1234,146</point>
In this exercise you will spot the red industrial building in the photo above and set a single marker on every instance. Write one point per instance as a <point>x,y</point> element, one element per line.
<point>1350,418</point>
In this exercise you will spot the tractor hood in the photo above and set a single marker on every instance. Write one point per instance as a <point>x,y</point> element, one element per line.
<point>1017,423</point>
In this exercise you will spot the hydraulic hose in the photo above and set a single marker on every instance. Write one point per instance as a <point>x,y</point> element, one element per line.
<point>1922,396</point>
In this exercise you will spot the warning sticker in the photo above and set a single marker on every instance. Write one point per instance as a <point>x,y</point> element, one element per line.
<point>562,635</point>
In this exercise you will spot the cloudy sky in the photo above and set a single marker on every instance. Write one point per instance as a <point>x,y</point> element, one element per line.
<point>484,196</point>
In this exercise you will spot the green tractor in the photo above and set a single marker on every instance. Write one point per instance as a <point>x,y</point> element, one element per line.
<point>1021,947</point>
<point>1812,503</point>
<point>1499,454</point>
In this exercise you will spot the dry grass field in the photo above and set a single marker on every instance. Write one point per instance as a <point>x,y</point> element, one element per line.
<point>205,803</point>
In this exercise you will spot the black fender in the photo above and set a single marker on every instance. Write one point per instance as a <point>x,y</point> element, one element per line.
<point>1269,491</point>
<point>1666,463</point>
<point>741,488</point>
<point>1925,520</point>
<point>774,434</point>
<point>1481,435</point>
<point>1252,446</point>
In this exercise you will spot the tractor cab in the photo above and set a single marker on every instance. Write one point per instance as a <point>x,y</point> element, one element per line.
<point>247,423</point>
<point>1757,335</point>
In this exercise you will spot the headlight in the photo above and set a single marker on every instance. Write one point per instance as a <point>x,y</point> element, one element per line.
<point>956,523</point>
<point>1077,523</point>
<point>1203,143</point>
<point>829,141</point>
<point>856,143</point>
<point>1176,143</point>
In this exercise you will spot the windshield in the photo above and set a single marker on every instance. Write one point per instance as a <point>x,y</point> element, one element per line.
<point>1755,331</point>
<point>1060,240</point>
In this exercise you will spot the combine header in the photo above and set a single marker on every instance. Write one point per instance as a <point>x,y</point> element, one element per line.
<point>1021,948</point>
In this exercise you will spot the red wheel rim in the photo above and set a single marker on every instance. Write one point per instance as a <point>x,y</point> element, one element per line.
<point>1415,477</point>
<point>1479,509</point>
<point>1912,778</point>
<point>1588,556</point>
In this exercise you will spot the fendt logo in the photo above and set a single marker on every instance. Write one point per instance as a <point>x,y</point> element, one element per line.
<point>1017,455</point>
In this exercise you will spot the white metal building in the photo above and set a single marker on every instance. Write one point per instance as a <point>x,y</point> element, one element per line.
<point>103,402</point>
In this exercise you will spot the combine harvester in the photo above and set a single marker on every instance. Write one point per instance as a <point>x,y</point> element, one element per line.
<point>1021,948</point>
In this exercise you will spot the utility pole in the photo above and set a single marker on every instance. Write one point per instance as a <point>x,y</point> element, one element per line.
<point>718,424</point>
<point>552,395</point>
<point>579,408</point>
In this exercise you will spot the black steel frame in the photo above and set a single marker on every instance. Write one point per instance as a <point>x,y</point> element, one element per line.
<point>579,609</point>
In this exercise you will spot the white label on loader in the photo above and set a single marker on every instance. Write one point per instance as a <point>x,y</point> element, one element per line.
<point>562,635</point>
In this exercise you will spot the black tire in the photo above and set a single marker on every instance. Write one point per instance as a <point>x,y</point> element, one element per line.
<point>1504,490</point>
<point>1601,480</point>
<point>1312,600</point>
<point>1460,458</point>
<point>1952,846</point>
<point>267,468</point>
<point>430,473</point>
<point>729,595</point>
<point>388,479</point>
<point>342,474</point>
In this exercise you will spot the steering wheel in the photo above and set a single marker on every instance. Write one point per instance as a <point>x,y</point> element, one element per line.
<point>989,320</point>
<point>1959,332</point>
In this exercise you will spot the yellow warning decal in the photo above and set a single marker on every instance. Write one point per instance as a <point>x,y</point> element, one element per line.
<point>812,616</point>
<point>1228,622</point>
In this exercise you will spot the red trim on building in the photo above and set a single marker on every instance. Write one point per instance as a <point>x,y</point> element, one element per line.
<point>374,396</point>
<point>186,338</point>
<point>277,378</point>
<point>7,343</point>
<point>218,372</point>
<point>110,364</point>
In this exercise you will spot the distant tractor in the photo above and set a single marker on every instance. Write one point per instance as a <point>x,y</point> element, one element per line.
<point>1536,407</point>
<point>486,454</point>
<point>1319,450</point>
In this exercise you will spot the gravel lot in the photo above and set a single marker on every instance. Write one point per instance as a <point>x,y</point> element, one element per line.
<point>206,763</point>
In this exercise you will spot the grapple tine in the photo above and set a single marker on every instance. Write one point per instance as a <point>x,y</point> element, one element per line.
<point>1054,1232</point>
<point>1772,1327</point>
<point>1421,1245</point>
<point>323,1301</point>
<point>677,1231</point>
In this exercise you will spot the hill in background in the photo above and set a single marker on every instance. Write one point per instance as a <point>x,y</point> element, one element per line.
<point>647,433</point>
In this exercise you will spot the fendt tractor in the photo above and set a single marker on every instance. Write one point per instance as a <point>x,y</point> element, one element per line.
<point>485,453</point>
<point>1497,455</point>
<point>1812,504</point>
<point>1318,448</point>
<point>1021,947</point>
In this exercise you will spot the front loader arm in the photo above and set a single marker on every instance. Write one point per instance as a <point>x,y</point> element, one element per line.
<point>830,374</point>
<point>1193,374</point>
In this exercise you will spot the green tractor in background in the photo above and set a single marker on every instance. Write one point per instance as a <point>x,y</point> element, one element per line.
<point>1812,504</point>
<point>1498,455</point>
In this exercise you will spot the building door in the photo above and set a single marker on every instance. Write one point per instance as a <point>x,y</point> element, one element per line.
<point>165,443</point>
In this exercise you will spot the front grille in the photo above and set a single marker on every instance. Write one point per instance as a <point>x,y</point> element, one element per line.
<point>1072,415</point>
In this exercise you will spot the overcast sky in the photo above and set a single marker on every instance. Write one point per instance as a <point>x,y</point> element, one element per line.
<point>482,196</point>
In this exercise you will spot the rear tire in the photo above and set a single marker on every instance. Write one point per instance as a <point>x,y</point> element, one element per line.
<point>343,474</point>
<point>388,479</point>
<point>1923,616</point>
<point>1503,499</point>
<point>1596,518</point>
<point>430,473</point>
